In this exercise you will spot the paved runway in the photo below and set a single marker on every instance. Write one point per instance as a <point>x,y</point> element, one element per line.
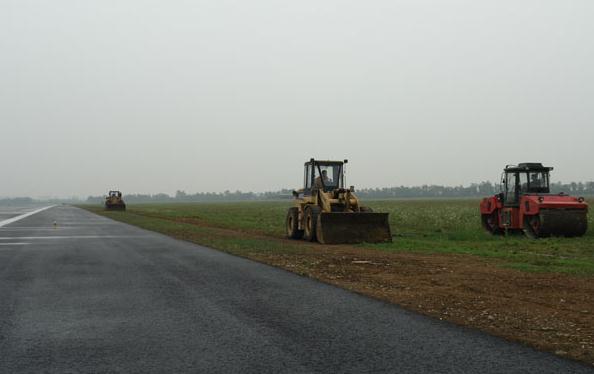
<point>7,212</point>
<point>96,296</point>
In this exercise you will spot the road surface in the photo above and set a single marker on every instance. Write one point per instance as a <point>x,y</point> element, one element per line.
<point>91,295</point>
<point>7,212</point>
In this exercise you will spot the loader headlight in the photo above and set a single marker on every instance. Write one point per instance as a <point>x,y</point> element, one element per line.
<point>540,199</point>
<point>581,199</point>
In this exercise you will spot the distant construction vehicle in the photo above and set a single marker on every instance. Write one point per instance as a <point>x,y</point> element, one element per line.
<point>527,205</point>
<point>114,201</point>
<point>331,214</point>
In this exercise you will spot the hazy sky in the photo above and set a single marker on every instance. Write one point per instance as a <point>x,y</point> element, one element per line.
<point>155,96</point>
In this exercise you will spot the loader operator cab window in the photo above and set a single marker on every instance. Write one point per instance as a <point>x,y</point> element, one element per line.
<point>323,176</point>
<point>308,178</point>
<point>324,180</point>
<point>331,175</point>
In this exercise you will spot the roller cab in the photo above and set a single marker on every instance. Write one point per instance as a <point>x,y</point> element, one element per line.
<point>527,205</point>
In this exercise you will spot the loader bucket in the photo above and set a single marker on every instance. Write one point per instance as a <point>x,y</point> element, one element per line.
<point>350,228</point>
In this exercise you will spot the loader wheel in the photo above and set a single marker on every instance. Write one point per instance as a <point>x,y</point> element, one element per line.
<point>310,223</point>
<point>292,224</point>
<point>366,209</point>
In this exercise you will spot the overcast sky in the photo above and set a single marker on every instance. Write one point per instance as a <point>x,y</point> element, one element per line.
<point>155,96</point>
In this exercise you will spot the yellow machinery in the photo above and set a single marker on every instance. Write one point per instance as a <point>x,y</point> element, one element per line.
<point>114,201</point>
<point>331,214</point>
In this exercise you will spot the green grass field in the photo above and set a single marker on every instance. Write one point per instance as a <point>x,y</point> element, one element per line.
<point>438,226</point>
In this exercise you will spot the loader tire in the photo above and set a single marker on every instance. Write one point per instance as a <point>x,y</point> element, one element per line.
<point>310,223</point>
<point>366,209</point>
<point>292,224</point>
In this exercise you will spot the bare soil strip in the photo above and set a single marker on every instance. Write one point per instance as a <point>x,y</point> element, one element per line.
<point>548,311</point>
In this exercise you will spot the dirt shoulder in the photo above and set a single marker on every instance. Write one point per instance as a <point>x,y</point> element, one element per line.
<point>551,312</point>
<point>548,311</point>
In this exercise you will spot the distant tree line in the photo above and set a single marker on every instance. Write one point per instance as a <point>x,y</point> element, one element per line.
<point>474,190</point>
<point>181,196</point>
<point>426,191</point>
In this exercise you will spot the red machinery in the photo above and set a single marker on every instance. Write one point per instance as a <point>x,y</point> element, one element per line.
<point>527,205</point>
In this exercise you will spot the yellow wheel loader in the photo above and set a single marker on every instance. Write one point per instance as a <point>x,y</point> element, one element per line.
<point>331,214</point>
<point>114,201</point>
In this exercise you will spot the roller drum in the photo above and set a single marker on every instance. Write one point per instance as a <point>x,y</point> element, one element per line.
<point>559,222</point>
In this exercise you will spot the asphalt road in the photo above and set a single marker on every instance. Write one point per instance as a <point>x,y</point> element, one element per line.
<point>7,212</point>
<point>96,296</point>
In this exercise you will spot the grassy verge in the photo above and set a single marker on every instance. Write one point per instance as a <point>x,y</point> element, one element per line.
<point>213,237</point>
<point>426,226</point>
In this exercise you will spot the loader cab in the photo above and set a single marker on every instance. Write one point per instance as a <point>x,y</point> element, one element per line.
<point>115,194</point>
<point>526,178</point>
<point>328,174</point>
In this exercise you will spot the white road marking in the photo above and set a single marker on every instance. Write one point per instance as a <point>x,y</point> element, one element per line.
<point>18,218</point>
<point>6,229</point>
<point>47,228</point>
<point>14,244</point>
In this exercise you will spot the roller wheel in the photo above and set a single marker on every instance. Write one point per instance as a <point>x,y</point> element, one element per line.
<point>491,223</point>
<point>310,222</point>
<point>292,224</point>
<point>532,227</point>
